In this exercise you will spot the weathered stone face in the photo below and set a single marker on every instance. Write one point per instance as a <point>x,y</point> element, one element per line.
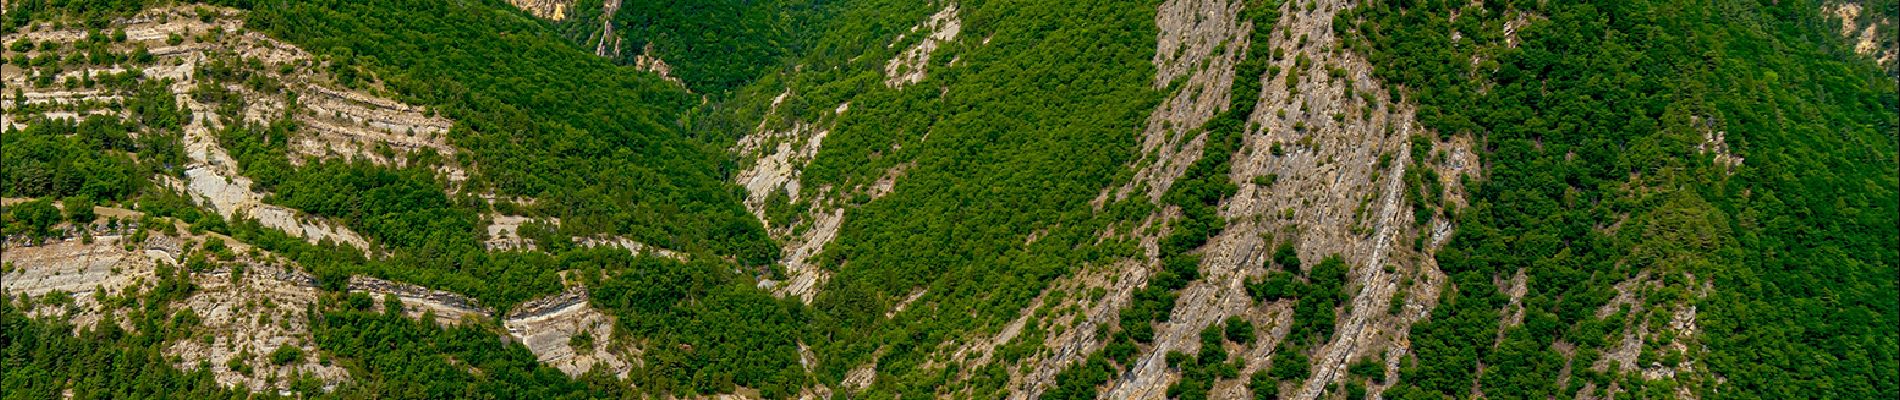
<point>549,326</point>
<point>1322,141</point>
<point>336,123</point>
<point>1869,35</point>
<point>555,10</point>
<point>908,67</point>
<point>241,314</point>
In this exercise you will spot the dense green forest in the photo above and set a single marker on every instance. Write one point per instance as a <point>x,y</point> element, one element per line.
<point>1589,118</point>
<point>600,147</point>
<point>1012,140</point>
<point>714,46</point>
<point>1593,120</point>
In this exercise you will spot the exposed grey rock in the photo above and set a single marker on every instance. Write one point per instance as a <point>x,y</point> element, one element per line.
<point>548,325</point>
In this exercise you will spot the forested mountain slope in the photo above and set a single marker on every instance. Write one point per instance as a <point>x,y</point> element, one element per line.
<point>1869,27</point>
<point>1317,199</point>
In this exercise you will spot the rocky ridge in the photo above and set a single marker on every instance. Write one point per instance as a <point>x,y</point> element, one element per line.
<point>184,43</point>
<point>250,305</point>
<point>554,10</point>
<point>1334,146</point>
<point>908,66</point>
<point>777,157</point>
<point>252,302</point>
<point>550,326</point>
<point>1870,35</point>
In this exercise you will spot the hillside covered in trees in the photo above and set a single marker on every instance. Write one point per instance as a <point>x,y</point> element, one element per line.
<point>1179,199</point>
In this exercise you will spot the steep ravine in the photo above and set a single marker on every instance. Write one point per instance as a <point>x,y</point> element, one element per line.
<point>774,154</point>
<point>1336,148</point>
<point>252,310</point>
<point>1324,145</point>
<point>1189,46</point>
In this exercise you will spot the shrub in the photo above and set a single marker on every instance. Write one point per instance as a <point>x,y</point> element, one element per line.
<point>286,354</point>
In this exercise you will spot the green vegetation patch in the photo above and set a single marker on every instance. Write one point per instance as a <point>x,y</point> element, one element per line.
<point>1590,130</point>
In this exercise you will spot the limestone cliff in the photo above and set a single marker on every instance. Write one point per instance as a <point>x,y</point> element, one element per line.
<point>290,85</point>
<point>554,10</point>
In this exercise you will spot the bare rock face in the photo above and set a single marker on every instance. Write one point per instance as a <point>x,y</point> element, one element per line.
<point>806,276</point>
<point>1072,344</point>
<point>1334,159</point>
<point>636,248</point>
<point>1674,336</point>
<point>350,125</point>
<point>779,158</point>
<point>647,61</point>
<point>1321,165</point>
<point>566,332</point>
<point>608,8</point>
<point>231,195</point>
<point>860,377</point>
<point>82,272</point>
<point>554,10</point>
<point>1200,41</point>
<point>334,123</point>
<point>245,313</point>
<point>908,67</point>
<point>249,314</point>
<point>1870,35</point>
<point>774,158</point>
<point>504,232</point>
<point>417,301</point>
<point>255,303</point>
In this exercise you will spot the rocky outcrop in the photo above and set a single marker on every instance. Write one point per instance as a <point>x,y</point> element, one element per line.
<point>609,44</point>
<point>448,307</point>
<point>230,195</point>
<point>778,159</point>
<point>1647,336</point>
<point>1715,143</point>
<point>248,314</point>
<point>1200,42</point>
<point>504,233</point>
<point>1870,35</point>
<point>637,248</point>
<point>1336,158</point>
<point>908,66</point>
<point>800,247</point>
<point>255,303</point>
<point>553,10</point>
<point>1321,164</point>
<point>775,158</point>
<point>337,123</point>
<point>566,332</point>
<point>82,271</point>
<point>348,125</point>
<point>647,61</point>
<point>246,307</point>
